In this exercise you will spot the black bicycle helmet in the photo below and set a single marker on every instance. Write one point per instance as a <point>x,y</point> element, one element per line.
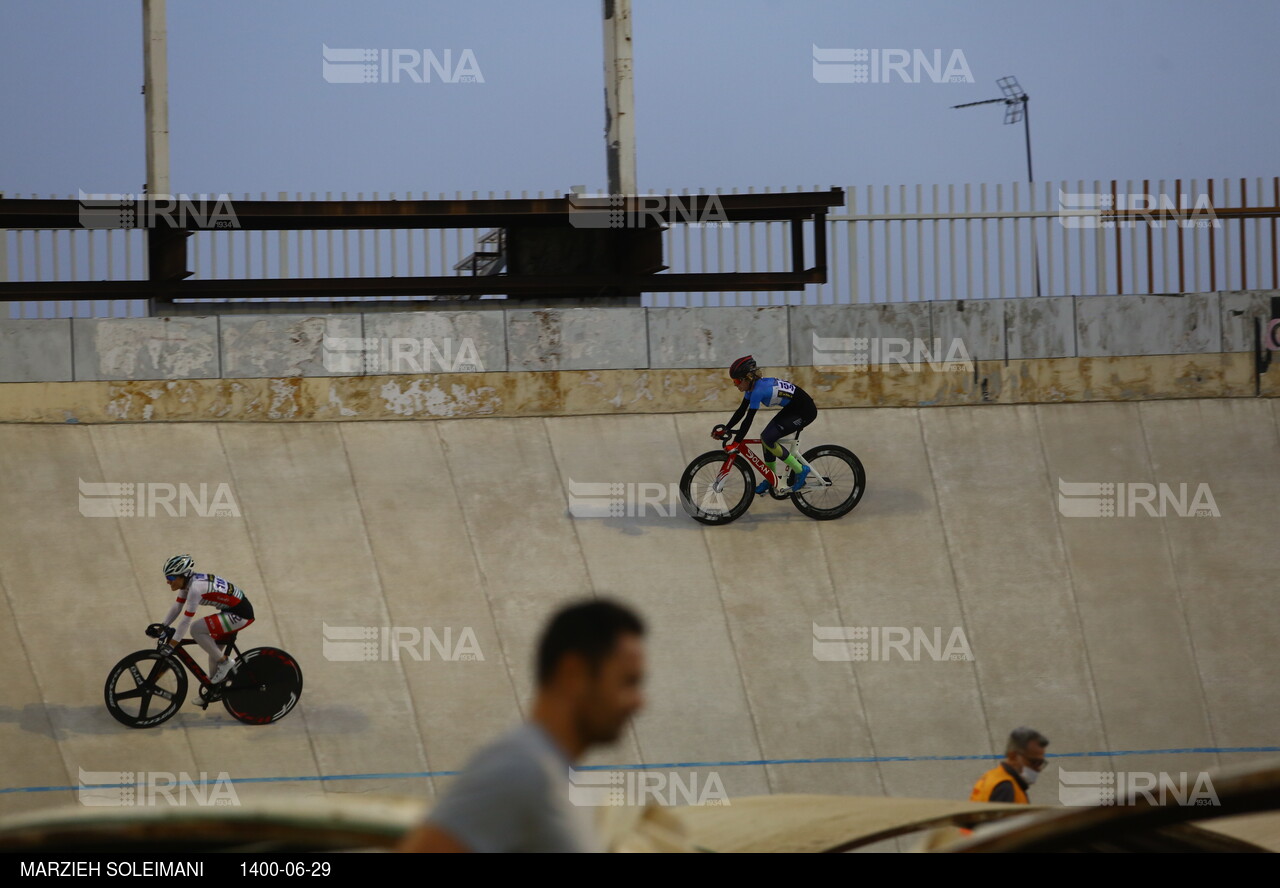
<point>742,368</point>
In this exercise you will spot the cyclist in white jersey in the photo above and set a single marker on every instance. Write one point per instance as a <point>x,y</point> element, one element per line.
<point>194,589</point>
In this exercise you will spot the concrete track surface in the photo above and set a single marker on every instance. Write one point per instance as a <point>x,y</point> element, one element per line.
<point>1111,634</point>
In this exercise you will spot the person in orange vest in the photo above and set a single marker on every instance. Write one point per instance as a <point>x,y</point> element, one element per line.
<point>1023,761</point>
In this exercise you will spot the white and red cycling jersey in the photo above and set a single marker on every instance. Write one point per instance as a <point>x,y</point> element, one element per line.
<point>212,591</point>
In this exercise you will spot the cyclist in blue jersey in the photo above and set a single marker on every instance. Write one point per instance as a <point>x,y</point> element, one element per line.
<point>798,410</point>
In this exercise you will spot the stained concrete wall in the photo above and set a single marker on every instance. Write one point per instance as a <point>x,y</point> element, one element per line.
<point>577,339</point>
<point>1148,325</point>
<point>1239,312</point>
<point>567,339</point>
<point>977,323</point>
<point>284,345</point>
<point>682,338</point>
<point>835,335</point>
<point>1041,328</point>
<point>145,348</point>
<point>448,340</point>
<point>604,392</point>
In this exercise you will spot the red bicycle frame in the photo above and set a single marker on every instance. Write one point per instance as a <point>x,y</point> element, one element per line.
<point>189,661</point>
<point>180,654</point>
<point>740,448</point>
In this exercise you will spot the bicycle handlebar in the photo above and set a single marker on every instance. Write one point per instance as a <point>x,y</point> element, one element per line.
<point>163,634</point>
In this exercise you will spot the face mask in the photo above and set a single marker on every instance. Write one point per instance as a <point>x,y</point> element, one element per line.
<point>1029,776</point>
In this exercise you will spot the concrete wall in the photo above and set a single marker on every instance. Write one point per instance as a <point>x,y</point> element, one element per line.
<point>606,392</point>
<point>1041,328</point>
<point>831,335</point>
<point>1239,310</point>
<point>145,348</point>
<point>275,346</point>
<point>35,351</point>
<point>449,341</point>
<point>1148,325</point>
<point>576,339</point>
<point>682,338</point>
<point>568,339</point>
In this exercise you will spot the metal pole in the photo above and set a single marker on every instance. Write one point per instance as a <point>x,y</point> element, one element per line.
<point>1026,125</point>
<point>165,248</point>
<point>1035,241</point>
<point>620,130</point>
<point>155,86</point>
<point>16,308</point>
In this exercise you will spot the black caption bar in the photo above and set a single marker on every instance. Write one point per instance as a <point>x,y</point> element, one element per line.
<point>231,865</point>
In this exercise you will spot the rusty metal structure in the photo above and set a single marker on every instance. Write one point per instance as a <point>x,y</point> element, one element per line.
<point>571,247</point>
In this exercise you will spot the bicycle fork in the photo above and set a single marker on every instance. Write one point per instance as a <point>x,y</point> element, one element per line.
<point>717,486</point>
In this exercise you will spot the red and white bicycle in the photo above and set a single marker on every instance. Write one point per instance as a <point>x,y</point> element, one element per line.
<point>718,486</point>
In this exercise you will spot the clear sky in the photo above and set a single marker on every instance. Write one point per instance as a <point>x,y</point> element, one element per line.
<point>725,93</point>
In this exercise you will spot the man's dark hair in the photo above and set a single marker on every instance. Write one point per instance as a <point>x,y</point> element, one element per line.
<point>1023,737</point>
<point>590,629</point>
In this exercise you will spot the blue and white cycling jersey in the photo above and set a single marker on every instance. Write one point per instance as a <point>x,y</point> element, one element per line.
<point>770,392</point>
<point>798,409</point>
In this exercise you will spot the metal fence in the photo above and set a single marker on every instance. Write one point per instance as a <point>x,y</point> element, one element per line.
<point>901,243</point>
<point>912,243</point>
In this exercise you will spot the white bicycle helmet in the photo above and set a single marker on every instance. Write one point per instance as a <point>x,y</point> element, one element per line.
<point>180,566</point>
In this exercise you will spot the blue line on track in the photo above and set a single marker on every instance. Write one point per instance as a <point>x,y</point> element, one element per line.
<point>854,760</point>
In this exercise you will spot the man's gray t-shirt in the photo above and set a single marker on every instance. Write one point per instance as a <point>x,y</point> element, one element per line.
<point>514,796</point>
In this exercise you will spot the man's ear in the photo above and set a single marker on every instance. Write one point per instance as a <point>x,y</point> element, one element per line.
<point>574,672</point>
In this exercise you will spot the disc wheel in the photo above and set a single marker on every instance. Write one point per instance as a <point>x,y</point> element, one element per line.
<point>845,481</point>
<point>264,688</point>
<point>711,503</point>
<point>145,689</point>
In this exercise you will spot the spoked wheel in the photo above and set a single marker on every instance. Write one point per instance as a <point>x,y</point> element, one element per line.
<point>264,688</point>
<point>716,503</point>
<point>847,483</point>
<point>145,689</point>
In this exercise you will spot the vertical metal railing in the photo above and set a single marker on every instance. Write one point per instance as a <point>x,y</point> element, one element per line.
<point>900,246</point>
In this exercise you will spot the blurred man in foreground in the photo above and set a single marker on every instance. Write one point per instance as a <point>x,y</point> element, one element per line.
<point>514,794</point>
<point>1023,761</point>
